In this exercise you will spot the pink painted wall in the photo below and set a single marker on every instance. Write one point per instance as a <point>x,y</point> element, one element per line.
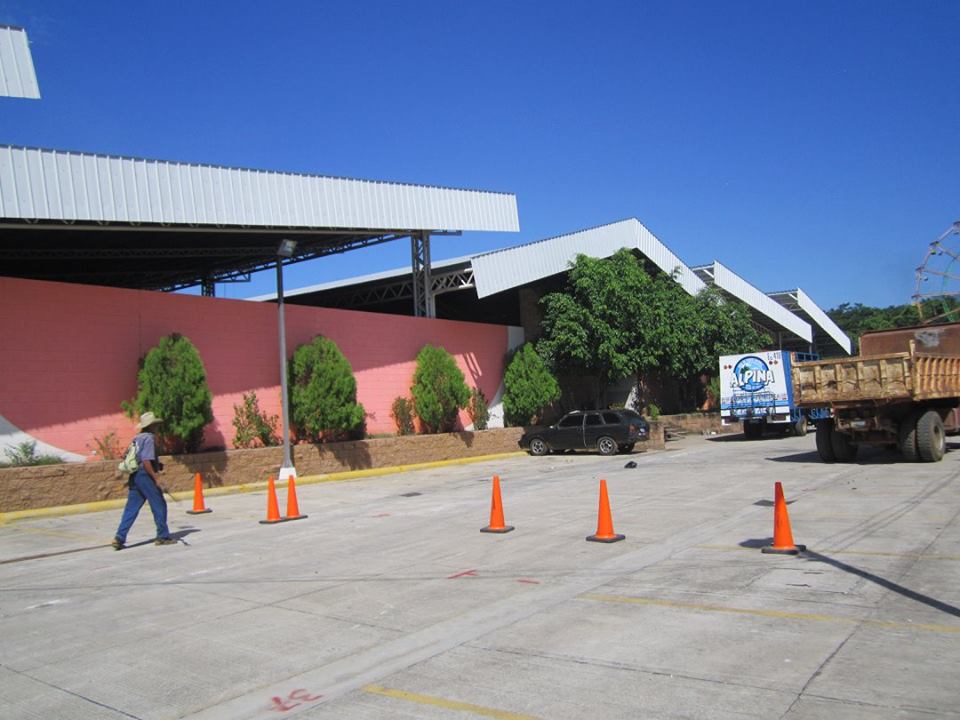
<point>69,353</point>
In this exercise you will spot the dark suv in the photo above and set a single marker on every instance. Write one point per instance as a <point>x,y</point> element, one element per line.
<point>607,431</point>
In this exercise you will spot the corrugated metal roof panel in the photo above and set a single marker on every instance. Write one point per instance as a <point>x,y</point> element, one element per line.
<point>823,320</point>
<point>17,75</point>
<point>730,282</point>
<point>504,269</point>
<point>66,186</point>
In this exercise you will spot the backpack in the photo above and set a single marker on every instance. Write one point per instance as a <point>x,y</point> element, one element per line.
<point>130,463</point>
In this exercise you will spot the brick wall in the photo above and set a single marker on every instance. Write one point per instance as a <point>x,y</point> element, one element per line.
<point>70,357</point>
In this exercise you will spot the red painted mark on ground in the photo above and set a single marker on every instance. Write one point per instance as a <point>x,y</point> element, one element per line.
<point>383,515</point>
<point>528,581</point>
<point>296,698</point>
<point>465,573</point>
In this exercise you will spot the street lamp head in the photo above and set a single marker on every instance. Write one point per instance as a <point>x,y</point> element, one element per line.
<point>286,248</point>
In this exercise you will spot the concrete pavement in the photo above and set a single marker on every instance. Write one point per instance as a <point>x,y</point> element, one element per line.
<point>387,601</point>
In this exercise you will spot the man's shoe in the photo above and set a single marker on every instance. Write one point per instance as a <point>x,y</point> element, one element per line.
<point>165,541</point>
<point>117,544</point>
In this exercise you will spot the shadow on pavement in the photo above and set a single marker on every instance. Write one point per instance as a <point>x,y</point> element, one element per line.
<point>813,556</point>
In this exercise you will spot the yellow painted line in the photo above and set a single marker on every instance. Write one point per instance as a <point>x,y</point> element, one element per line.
<point>100,505</point>
<point>873,553</point>
<point>444,703</point>
<point>781,614</point>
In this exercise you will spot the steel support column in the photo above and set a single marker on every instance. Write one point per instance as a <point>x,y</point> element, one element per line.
<point>424,304</point>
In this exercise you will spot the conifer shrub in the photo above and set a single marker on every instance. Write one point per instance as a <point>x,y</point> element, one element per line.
<point>439,390</point>
<point>253,427</point>
<point>172,384</point>
<point>529,387</point>
<point>323,394</point>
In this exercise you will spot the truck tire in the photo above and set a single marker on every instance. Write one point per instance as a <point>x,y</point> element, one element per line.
<point>907,435</point>
<point>824,444</point>
<point>931,438</point>
<point>800,427</point>
<point>752,431</point>
<point>843,449</point>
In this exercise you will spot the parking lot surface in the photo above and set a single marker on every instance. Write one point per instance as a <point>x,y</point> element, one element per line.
<point>387,601</point>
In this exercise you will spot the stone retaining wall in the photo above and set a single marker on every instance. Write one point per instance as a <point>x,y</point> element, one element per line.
<point>28,488</point>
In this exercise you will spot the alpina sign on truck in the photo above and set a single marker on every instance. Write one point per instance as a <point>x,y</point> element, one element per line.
<point>755,389</point>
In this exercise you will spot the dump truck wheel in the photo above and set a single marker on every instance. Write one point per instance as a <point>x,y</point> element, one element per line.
<point>752,431</point>
<point>931,438</point>
<point>843,450</point>
<point>824,444</point>
<point>800,427</point>
<point>908,437</point>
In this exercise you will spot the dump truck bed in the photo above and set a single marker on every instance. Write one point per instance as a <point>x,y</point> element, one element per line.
<point>888,378</point>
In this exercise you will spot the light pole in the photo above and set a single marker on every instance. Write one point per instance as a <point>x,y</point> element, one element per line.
<point>285,250</point>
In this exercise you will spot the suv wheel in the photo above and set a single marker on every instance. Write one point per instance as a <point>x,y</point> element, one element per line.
<point>606,445</point>
<point>538,447</point>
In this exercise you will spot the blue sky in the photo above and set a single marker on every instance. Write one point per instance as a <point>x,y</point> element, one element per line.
<point>811,144</point>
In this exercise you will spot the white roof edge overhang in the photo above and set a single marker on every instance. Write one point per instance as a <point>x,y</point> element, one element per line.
<point>501,270</point>
<point>38,185</point>
<point>728,281</point>
<point>806,304</point>
<point>18,78</point>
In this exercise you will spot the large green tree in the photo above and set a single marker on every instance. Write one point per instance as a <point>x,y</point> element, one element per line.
<point>619,317</point>
<point>323,393</point>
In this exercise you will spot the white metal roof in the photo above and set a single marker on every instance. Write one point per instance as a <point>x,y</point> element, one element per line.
<point>724,278</point>
<point>504,269</point>
<point>38,184</point>
<point>17,76</point>
<point>799,300</point>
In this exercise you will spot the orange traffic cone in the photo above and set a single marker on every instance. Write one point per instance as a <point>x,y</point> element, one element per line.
<point>293,509</point>
<point>198,506</point>
<point>496,511</point>
<point>273,510</point>
<point>605,533</point>
<point>782,535</point>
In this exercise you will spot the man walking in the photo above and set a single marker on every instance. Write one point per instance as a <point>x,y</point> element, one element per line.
<point>144,486</point>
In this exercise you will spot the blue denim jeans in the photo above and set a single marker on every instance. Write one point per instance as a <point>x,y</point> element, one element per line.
<point>143,489</point>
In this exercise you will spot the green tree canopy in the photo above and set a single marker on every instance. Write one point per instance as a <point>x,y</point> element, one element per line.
<point>323,393</point>
<point>529,386</point>
<point>439,390</point>
<point>620,318</point>
<point>172,384</point>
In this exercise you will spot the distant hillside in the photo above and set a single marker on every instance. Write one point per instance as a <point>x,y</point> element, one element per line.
<point>857,319</point>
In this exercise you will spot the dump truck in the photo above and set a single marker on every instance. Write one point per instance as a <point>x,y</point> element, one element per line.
<point>755,391</point>
<point>902,391</point>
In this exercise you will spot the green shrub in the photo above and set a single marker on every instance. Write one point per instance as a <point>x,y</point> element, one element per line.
<point>653,411</point>
<point>25,454</point>
<point>172,384</point>
<point>439,390</point>
<point>323,394</point>
<point>402,413</point>
<point>529,387</point>
<point>477,409</point>
<point>253,427</point>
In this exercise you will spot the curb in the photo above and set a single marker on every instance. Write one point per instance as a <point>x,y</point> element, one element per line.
<point>101,505</point>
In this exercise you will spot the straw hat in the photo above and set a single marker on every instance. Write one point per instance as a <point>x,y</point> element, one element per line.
<point>148,419</point>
